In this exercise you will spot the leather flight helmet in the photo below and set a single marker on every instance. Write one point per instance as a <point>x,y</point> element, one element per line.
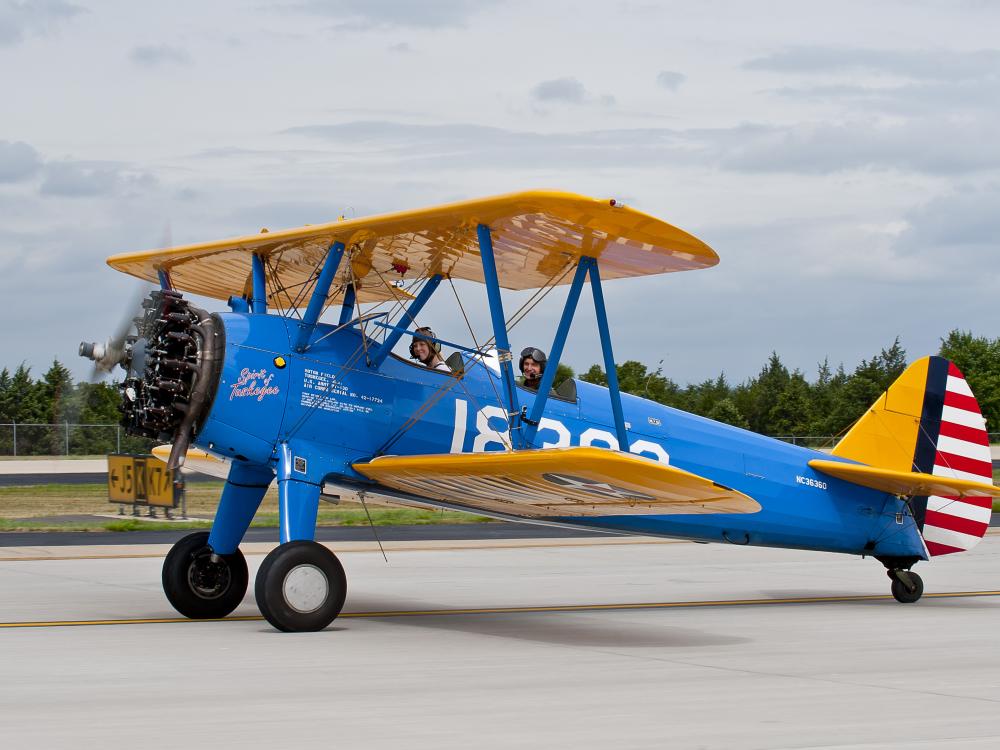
<point>428,336</point>
<point>536,354</point>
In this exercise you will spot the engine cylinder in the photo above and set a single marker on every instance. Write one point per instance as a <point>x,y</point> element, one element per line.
<point>173,363</point>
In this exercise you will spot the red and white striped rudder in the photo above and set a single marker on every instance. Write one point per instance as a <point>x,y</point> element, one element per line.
<point>961,449</point>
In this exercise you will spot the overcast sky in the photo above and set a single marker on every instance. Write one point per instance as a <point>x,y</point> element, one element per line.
<point>842,158</point>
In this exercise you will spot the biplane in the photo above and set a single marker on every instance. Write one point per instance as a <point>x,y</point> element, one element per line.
<point>272,390</point>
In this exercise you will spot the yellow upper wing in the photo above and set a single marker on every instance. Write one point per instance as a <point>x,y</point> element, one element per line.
<point>557,482</point>
<point>537,235</point>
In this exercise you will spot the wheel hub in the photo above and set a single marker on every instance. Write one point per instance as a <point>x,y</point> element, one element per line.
<point>305,588</point>
<point>208,580</point>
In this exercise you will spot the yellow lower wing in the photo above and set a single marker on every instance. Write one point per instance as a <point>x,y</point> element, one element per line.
<point>904,482</point>
<point>556,482</point>
<point>197,460</point>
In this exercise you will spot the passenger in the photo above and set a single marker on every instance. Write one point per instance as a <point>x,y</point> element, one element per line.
<point>532,366</point>
<point>427,351</point>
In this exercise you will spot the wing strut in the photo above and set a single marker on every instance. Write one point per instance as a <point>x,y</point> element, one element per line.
<point>347,308</point>
<point>609,356</point>
<point>259,299</point>
<point>319,295</point>
<point>500,334</point>
<point>586,267</point>
<point>555,353</point>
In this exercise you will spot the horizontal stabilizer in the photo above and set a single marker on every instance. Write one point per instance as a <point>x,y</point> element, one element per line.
<point>557,482</point>
<point>905,482</point>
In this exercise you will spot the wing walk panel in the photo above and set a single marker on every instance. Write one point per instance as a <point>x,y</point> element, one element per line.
<point>558,482</point>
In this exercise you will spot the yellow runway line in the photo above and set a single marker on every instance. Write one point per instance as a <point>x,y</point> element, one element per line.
<point>519,610</point>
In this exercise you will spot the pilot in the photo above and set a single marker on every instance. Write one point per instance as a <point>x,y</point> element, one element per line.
<point>427,351</point>
<point>532,366</point>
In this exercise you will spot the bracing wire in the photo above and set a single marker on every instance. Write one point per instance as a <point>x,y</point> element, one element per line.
<point>439,393</point>
<point>361,497</point>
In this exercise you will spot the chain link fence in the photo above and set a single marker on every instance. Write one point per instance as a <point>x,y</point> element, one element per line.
<point>828,441</point>
<point>69,439</point>
<point>20,439</point>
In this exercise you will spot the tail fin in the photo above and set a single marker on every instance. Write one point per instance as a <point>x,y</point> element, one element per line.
<point>929,422</point>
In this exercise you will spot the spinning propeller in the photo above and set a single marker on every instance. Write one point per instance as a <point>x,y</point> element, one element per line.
<point>172,363</point>
<point>107,354</point>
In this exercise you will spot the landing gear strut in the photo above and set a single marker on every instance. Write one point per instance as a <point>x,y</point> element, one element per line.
<point>300,586</point>
<point>200,584</point>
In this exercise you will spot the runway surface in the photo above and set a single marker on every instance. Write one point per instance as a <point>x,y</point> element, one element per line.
<point>398,533</point>
<point>570,643</point>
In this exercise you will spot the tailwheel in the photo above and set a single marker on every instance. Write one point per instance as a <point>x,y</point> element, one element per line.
<point>200,584</point>
<point>300,587</point>
<point>907,586</point>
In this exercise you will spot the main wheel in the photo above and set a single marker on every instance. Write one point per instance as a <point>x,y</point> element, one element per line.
<point>907,594</point>
<point>300,586</point>
<point>199,587</point>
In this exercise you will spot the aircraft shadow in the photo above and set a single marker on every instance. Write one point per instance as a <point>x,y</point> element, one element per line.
<point>590,629</point>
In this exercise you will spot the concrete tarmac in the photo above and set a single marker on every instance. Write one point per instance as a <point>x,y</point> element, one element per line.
<point>624,643</point>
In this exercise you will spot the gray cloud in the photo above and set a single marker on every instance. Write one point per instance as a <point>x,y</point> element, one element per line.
<point>71,179</point>
<point>17,161</point>
<point>423,147</point>
<point>963,225</point>
<point>568,90</point>
<point>365,15</point>
<point>18,20</point>
<point>670,80</point>
<point>932,146</point>
<point>942,65</point>
<point>979,96</point>
<point>281,214</point>
<point>155,55</point>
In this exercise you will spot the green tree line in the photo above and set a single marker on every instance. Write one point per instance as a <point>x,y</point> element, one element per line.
<point>54,399</point>
<point>782,402</point>
<point>777,401</point>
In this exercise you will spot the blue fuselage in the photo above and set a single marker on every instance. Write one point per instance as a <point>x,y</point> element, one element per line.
<point>334,411</point>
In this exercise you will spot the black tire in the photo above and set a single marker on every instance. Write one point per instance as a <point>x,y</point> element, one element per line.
<point>906,595</point>
<point>300,587</point>
<point>199,588</point>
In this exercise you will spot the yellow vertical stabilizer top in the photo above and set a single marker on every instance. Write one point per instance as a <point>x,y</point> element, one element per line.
<point>886,436</point>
